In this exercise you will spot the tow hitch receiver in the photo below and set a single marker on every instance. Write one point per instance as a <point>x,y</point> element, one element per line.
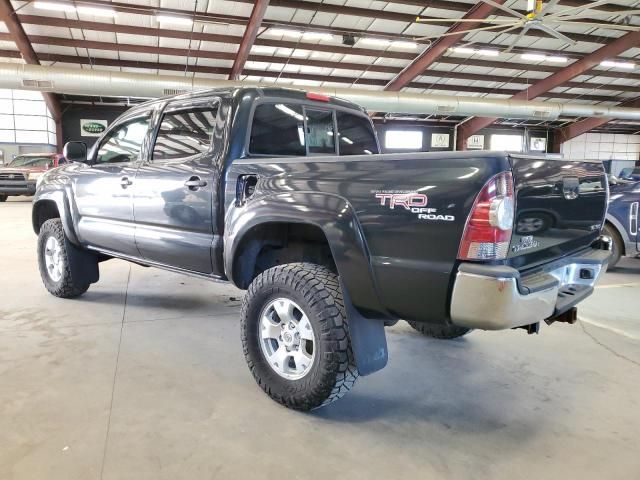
<point>570,316</point>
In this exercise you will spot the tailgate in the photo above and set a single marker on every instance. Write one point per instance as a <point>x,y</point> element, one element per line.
<point>560,207</point>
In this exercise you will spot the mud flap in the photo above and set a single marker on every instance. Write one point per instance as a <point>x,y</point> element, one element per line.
<point>368,340</point>
<point>83,264</point>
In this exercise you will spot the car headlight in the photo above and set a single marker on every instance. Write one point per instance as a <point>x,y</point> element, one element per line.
<point>34,176</point>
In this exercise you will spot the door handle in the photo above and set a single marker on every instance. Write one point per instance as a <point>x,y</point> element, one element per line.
<point>194,183</point>
<point>125,182</point>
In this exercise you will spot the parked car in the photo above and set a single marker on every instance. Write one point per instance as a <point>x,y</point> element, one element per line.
<point>622,221</point>
<point>19,177</point>
<point>630,174</point>
<point>284,194</point>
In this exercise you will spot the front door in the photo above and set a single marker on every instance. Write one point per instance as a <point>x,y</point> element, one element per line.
<point>103,189</point>
<point>176,192</point>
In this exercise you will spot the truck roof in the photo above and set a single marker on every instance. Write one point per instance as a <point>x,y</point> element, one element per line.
<point>276,92</point>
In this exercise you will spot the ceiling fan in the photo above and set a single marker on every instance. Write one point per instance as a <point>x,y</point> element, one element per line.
<point>539,17</point>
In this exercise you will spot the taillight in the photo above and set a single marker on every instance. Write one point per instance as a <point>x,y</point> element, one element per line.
<point>487,233</point>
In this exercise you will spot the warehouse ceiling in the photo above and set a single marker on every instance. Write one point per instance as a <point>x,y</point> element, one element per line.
<point>369,44</point>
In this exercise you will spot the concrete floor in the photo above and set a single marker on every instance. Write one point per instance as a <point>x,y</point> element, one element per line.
<point>143,378</point>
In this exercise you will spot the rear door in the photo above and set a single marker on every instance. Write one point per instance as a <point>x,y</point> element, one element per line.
<point>103,190</point>
<point>176,190</point>
<point>560,207</point>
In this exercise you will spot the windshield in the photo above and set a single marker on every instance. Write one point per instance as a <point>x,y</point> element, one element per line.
<point>31,161</point>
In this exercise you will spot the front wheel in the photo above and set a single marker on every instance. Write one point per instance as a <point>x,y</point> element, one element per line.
<point>55,263</point>
<point>295,336</point>
<point>443,332</point>
<point>616,245</point>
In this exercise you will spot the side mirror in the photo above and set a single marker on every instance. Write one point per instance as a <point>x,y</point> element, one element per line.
<point>75,152</point>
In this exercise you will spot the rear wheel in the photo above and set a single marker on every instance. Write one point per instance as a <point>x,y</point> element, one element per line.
<point>616,245</point>
<point>55,263</point>
<point>295,336</point>
<point>444,332</point>
<point>3,197</point>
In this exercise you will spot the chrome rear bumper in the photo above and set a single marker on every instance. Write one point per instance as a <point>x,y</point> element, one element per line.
<point>494,297</point>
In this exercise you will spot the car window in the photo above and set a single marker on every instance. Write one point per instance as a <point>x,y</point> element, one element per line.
<point>27,161</point>
<point>277,129</point>
<point>185,133</point>
<point>356,135</point>
<point>320,132</point>
<point>124,142</point>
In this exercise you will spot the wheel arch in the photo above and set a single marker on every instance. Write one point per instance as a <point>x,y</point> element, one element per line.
<point>325,219</point>
<point>53,205</point>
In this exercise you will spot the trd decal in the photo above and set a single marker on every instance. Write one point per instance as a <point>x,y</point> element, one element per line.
<point>406,200</point>
<point>412,201</point>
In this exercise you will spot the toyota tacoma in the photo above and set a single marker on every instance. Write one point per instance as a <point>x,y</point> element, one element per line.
<point>285,194</point>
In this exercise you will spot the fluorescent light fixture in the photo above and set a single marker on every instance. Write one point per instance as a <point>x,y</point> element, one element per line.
<point>97,11</point>
<point>285,32</point>
<point>347,140</point>
<point>174,19</point>
<point>613,64</point>
<point>557,59</point>
<point>535,57</point>
<point>59,7</point>
<point>488,53</point>
<point>317,36</point>
<point>381,42</point>
<point>403,44</point>
<point>465,50</point>
<point>472,51</point>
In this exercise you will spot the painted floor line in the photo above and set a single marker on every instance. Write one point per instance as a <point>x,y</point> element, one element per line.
<point>618,285</point>
<point>615,330</point>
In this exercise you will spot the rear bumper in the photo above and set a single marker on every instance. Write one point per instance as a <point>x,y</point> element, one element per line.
<point>18,188</point>
<point>493,297</point>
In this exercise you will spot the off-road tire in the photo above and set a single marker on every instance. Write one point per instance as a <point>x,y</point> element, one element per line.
<point>317,291</point>
<point>3,197</point>
<point>617,246</point>
<point>443,332</point>
<point>67,286</point>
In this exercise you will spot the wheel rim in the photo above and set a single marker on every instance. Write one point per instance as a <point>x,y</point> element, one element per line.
<point>286,338</point>
<point>529,225</point>
<point>53,259</point>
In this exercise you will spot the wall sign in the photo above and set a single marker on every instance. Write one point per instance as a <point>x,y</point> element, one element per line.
<point>475,142</point>
<point>92,128</point>
<point>538,144</point>
<point>440,140</point>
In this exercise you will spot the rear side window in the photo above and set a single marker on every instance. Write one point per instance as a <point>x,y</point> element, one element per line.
<point>356,135</point>
<point>278,129</point>
<point>185,133</point>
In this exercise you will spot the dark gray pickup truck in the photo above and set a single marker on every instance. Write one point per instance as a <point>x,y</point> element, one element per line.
<point>284,193</point>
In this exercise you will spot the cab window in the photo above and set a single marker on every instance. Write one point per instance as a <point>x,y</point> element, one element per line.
<point>124,143</point>
<point>356,135</point>
<point>185,133</point>
<point>278,129</point>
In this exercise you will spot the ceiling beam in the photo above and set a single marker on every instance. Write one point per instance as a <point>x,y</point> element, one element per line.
<point>576,129</point>
<point>427,58</point>
<point>108,62</point>
<point>228,56</point>
<point>249,37</point>
<point>618,46</point>
<point>28,54</point>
